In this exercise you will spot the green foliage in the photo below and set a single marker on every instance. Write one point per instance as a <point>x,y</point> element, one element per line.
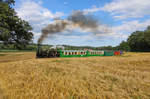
<point>5,34</point>
<point>140,40</point>
<point>8,1</point>
<point>124,46</point>
<point>148,28</point>
<point>13,30</point>
<point>106,48</point>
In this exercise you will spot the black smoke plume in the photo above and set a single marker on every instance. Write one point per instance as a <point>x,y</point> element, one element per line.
<point>76,19</point>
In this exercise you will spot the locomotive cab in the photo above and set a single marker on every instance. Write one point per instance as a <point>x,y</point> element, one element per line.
<point>51,53</point>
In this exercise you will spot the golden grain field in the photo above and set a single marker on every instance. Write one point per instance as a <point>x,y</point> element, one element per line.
<point>22,76</point>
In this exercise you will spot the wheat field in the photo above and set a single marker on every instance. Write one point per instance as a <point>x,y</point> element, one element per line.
<point>22,76</point>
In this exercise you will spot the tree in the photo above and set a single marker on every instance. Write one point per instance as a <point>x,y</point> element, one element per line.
<point>123,46</point>
<point>140,40</point>
<point>148,28</point>
<point>13,30</point>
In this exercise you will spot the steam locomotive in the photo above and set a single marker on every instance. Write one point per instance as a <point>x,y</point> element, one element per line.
<point>73,53</point>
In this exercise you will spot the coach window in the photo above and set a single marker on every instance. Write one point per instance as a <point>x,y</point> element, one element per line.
<point>99,52</point>
<point>82,53</point>
<point>67,53</point>
<point>75,53</point>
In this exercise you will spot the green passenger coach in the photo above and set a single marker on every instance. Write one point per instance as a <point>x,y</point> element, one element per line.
<point>80,53</point>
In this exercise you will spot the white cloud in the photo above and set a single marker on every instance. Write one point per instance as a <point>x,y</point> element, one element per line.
<point>124,30</point>
<point>127,28</point>
<point>122,9</point>
<point>110,32</point>
<point>35,14</point>
<point>37,34</point>
<point>65,3</point>
<point>132,26</point>
<point>91,10</point>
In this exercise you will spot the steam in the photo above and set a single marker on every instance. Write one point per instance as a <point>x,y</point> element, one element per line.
<point>76,19</point>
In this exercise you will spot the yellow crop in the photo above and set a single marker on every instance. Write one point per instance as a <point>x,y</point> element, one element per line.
<point>22,76</point>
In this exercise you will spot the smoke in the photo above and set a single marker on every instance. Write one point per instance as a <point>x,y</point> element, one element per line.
<point>76,19</point>
<point>83,21</point>
<point>56,27</point>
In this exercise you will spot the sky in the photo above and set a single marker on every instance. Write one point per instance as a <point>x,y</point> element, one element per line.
<point>117,19</point>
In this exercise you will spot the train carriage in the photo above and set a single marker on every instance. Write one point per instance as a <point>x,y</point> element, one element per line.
<point>73,53</point>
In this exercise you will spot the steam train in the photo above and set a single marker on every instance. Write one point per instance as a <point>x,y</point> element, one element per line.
<point>73,53</point>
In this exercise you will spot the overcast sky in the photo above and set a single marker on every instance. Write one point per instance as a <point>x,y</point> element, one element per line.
<point>121,17</point>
